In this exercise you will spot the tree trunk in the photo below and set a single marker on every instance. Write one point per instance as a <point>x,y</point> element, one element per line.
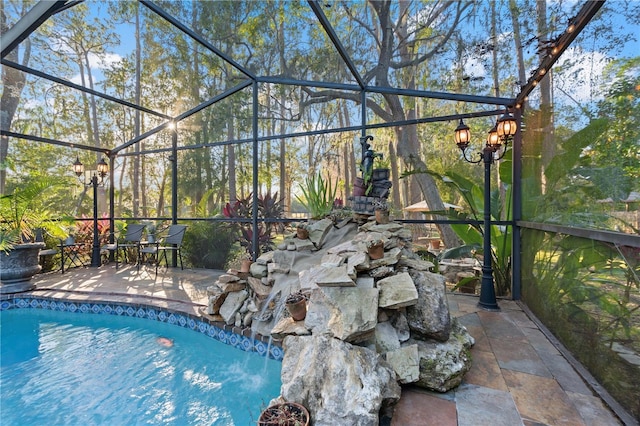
<point>395,175</point>
<point>138,90</point>
<point>13,82</point>
<point>548,146</point>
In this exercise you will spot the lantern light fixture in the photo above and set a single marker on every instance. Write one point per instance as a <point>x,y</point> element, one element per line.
<point>96,179</point>
<point>462,135</point>
<point>501,134</point>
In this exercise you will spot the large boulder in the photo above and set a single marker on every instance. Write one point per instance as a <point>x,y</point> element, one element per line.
<point>429,317</point>
<point>444,364</point>
<point>340,384</point>
<point>347,313</point>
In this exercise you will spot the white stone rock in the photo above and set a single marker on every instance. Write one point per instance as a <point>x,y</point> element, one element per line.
<point>257,270</point>
<point>232,305</point>
<point>429,317</point>
<point>386,338</point>
<point>287,326</point>
<point>350,314</point>
<point>276,268</point>
<point>405,362</point>
<point>397,291</point>
<point>364,281</point>
<point>340,384</point>
<point>228,278</point>
<point>332,260</point>
<point>265,258</point>
<point>334,277</point>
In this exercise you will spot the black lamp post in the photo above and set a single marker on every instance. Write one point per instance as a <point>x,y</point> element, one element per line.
<point>97,178</point>
<point>500,134</point>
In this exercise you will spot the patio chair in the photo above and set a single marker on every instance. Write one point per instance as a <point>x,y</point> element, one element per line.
<point>172,242</point>
<point>131,240</point>
<point>71,253</point>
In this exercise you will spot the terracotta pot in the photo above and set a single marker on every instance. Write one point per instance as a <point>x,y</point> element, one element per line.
<point>298,310</point>
<point>245,266</point>
<point>302,233</point>
<point>287,413</point>
<point>434,244</point>
<point>376,252</point>
<point>382,216</point>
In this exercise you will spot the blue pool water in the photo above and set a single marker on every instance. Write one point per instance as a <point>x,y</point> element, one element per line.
<point>67,368</point>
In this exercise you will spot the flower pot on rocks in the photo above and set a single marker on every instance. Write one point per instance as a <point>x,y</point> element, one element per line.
<point>302,233</point>
<point>296,304</point>
<point>287,413</point>
<point>298,310</point>
<point>245,266</point>
<point>382,216</point>
<point>376,251</point>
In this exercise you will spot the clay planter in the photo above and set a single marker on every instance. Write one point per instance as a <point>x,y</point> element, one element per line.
<point>376,252</point>
<point>302,233</point>
<point>287,413</point>
<point>358,187</point>
<point>245,266</point>
<point>298,309</point>
<point>382,216</point>
<point>434,244</point>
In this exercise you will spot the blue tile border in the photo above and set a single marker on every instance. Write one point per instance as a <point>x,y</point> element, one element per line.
<point>198,324</point>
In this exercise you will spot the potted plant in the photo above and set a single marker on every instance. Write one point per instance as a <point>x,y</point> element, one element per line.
<point>302,231</point>
<point>286,413</point>
<point>296,304</point>
<point>375,248</point>
<point>21,212</point>
<point>245,263</point>
<point>381,209</point>
<point>381,168</point>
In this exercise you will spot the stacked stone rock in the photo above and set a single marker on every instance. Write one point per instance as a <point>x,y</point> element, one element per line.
<point>370,326</point>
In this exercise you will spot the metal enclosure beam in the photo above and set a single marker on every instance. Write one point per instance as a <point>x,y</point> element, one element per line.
<point>188,31</point>
<point>35,17</point>
<point>75,86</point>
<point>328,28</point>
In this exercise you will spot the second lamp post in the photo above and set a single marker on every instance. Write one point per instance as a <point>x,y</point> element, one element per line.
<point>499,135</point>
<point>96,179</point>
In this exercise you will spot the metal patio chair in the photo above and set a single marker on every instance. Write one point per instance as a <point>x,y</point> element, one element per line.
<point>71,253</point>
<point>131,240</point>
<point>172,242</point>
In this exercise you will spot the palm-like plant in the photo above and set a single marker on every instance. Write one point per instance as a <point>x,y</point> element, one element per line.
<point>472,234</point>
<point>319,195</point>
<point>22,210</point>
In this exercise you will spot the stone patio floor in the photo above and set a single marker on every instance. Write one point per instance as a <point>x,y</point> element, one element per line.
<point>518,377</point>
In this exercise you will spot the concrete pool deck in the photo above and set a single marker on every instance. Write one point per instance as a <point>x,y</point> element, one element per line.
<point>518,376</point>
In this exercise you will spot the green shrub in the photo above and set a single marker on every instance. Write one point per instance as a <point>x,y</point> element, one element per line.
<point>319,195</point>
<point>208,244</point>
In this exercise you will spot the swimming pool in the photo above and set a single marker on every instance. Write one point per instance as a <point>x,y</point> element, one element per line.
<point>58,367</point>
